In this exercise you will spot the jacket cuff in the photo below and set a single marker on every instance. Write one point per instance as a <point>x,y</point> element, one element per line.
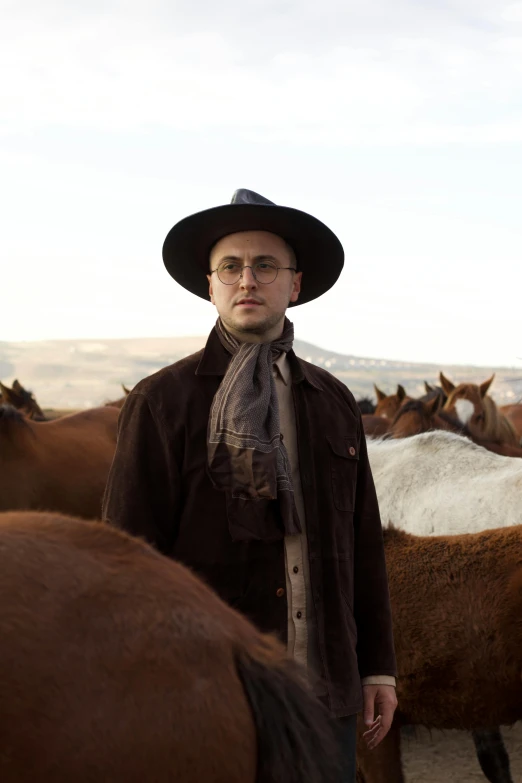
<point>379,679</point>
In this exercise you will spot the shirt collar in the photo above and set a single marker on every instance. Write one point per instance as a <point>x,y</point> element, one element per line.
<point>283,369</point>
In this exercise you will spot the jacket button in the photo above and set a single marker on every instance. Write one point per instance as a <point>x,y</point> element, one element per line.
<point>280,592</point>
<point>299,615</point>
<point>351,451</point>
<point>296,570</point>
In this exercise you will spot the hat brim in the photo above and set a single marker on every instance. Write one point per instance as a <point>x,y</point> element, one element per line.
<point>319,253</point>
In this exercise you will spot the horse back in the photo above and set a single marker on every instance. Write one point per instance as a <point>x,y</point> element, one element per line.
<point>457,609</point>
<point>121,665</point>
<point>92,421</point>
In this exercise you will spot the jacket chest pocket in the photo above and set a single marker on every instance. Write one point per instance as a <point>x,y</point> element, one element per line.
<point>344,458</point>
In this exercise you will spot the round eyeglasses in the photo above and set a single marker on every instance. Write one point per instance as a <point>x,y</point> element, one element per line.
<point>230,273</point>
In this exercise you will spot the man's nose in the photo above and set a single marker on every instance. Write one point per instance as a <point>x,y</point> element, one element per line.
<point>248,281</point>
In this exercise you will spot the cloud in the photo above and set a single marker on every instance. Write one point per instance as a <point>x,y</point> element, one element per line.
<point>512,13</point>
<point>337,73</point>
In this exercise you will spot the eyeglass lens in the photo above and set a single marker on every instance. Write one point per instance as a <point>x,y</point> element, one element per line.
<point>264,272</point>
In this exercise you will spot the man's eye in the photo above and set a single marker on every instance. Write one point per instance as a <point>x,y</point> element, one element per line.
<point>229,267</point>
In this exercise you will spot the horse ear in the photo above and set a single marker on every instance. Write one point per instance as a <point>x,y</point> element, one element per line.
<point>434,405</point>
<point>485,386</point>
<point>447,385</point>
<point>17,386</point>
<point>380,394</point>
<point>125,390</point>
<point>401,392</point>
<point>428,387</point>
<point>7,394</point>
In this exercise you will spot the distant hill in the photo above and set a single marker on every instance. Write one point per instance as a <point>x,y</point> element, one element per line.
<point>83,373</point>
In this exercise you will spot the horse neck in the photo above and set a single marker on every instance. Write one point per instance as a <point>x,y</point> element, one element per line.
<point>16,438</point>
<point>496,426</point>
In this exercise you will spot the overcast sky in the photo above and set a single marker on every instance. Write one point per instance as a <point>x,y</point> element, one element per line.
<point>399,124</point>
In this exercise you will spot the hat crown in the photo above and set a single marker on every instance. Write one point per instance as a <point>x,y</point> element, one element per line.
<point>244,196</point>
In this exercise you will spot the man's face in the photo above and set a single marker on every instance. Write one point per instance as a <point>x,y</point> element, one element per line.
<point>249,307</point>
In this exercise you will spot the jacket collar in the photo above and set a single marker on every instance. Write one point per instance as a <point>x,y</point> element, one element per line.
<point>215,358</point>
<point>215,361</point>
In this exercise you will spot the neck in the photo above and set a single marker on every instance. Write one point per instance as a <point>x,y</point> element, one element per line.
<point>245,336</point>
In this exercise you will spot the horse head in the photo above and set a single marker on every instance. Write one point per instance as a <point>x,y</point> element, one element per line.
<point>388,405</point>
<point>23,400</point>
<point>466,402</point>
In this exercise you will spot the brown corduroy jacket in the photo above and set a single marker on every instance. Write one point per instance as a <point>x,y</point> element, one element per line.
<point>159,488</point>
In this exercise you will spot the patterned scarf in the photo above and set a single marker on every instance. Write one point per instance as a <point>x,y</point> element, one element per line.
<point>246,455</point>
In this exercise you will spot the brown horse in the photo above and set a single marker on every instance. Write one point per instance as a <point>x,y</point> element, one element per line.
<point>514,414</point>
<point>59,465</point>
<point>119,665</point>
<point>470,403</point>
<point>389,404</point>
<point>375,426</point>
<point>417,416</point>
<point>457,615</point>
<point>21,399</point>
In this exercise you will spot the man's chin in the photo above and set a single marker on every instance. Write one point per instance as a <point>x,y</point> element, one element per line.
<point>250,323</point>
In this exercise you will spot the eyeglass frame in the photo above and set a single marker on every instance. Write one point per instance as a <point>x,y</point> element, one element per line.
<point>247,266</point>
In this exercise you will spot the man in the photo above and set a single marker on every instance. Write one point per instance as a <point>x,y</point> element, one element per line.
<point>250,465</point>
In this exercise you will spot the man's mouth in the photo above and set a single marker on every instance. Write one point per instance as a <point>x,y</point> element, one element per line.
<point>247,302</point>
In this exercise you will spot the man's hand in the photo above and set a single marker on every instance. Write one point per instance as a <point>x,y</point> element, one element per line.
<point>379,700</point>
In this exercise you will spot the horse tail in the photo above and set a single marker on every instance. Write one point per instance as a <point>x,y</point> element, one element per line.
<point>492,754</point>
<point>295,735</point>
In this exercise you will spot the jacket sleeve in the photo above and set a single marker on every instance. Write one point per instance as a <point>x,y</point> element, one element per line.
<point>372,612</point>
<point>142,495</point>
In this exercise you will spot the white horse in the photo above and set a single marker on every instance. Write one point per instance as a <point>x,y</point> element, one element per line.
<point>439,483</point>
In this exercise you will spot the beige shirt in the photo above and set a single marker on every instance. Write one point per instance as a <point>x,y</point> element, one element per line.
<point>302,636</point>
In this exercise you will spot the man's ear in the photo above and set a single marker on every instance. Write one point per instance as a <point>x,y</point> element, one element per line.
<point>296,287</point>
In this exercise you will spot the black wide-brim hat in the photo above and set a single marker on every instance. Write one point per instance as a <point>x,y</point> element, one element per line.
<point>319,253</point>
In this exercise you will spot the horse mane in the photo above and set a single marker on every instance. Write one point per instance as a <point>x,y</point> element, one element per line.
<point>437,391</point>
<point>408,407</point>
<point>10,413</point>
<point>451,397</point>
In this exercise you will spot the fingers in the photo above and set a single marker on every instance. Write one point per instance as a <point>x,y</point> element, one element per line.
<point>374,734</point>
<point>387,712</point>
<point>369,706</point>
<point>378,733</point>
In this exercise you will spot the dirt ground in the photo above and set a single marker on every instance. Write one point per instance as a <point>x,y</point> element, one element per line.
<point>449,757</point>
